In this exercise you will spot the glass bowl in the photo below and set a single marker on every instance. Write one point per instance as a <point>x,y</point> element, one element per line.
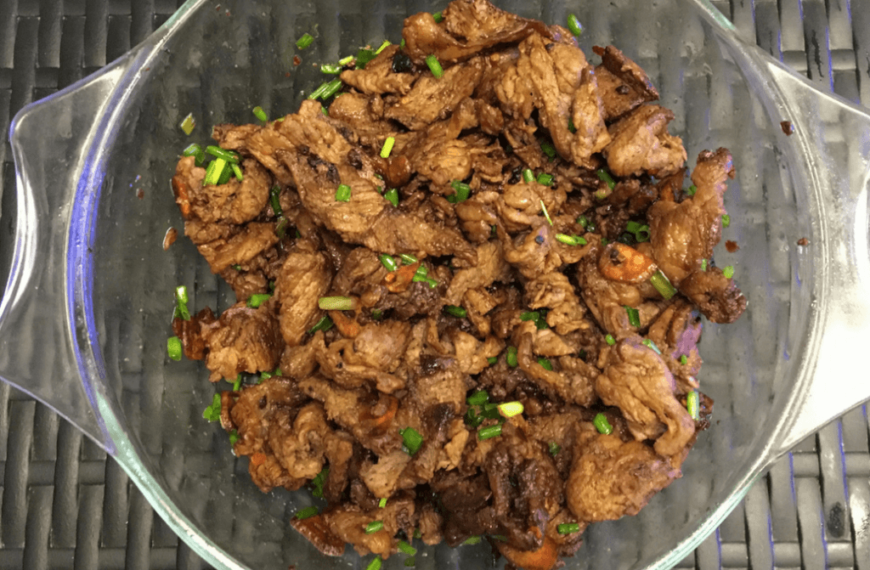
<point>87,307</point>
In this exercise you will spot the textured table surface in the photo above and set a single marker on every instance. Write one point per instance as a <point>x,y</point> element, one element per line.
<point>63,505</point>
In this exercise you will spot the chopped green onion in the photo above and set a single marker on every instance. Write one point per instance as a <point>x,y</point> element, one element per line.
<point>463,190</point>
<point>728,271</point>
<point>377,314</point>
<point>388,147</point>
<point>392,196</point>
<point>331,89</point>
<point>195,151</point>
<point>703,265</point>
<point>275,199</point>
<point>571,240</point>
<point>492,360</point>
<point>437,17</point>
<point>633,316</point>
<point>330,69</point>
<point>407,548</point>
<point>364,56</point>
<point>545,179</point>
<point>345,60</point>
<point>384,46</point>
<point>555,448</point>
<point>546,213</point>
<point>374,527</point>
<point>602,425</point>
<point>409,562</point>
<point>181,294</point>
<point>568,528</point>
<point>489,432</point>
<point>213,412</point>
<point>324,324</point>
<point>455,311</point>
<point>684,360</point>
<point>181,312</point>
<point>374,564</point>
<point>606,177</point>
<point>306,513</point>
<point>610,340</point>
<point>234,437</point>
<point>317,93</point>
<point>417,533</point>
<point>574,25</point>
<point>304,41</point>
<point>472,540</point>
<point>691,190</point>
<point>479,398</point>
<point>663,285</point>
<point>237,267</point>
<point>408,259</point>
<point>510,409</point>
<point>411,439</point>
<point>173,348</point>
<point>225,174</point>
<point>342,194</point>
<point>545,362</point>
<point>651,345</point>
<point>511,357</point>
<point>642,234</point>
<point>571,126</point>
<point>726,221</point>
<point>261,114</point>
<point>434,66</point>
<point>402,43</point>
<point>319,481</point>
<point>382,503</point>
<point>258,299</point>
<point>188,124</point>
<point>336,303</point>
<point>214,172</point>
<point>281,227</point>
<point>528,175</point>
<point>238,172</point>
<point>692,404</point>
<point>499,537</point>
<point>583,222</point>
<point>548,149</point>
<point>530,316</point>
<point>388,262</point>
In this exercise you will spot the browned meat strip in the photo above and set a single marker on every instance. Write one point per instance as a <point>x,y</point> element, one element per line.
<point>364,115</point>
<point>640,143</point>
<point>378,76</point>
<point>304,278</point>
<point>677,332</point>
<point>717,296</point>
<point>190,333</point>
<point>622,83</point>
<point>242,340</point>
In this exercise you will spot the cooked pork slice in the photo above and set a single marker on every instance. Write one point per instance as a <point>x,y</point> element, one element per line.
<point>242,340</point>
<point>640,144</point>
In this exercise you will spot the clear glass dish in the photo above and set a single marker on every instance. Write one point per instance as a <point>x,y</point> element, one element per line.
<point>85,315</point>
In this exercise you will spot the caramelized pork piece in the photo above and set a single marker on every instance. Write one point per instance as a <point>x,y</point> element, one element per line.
<point>622,83</point>
<point>378,77</point>
<point>640,144</point>
<point>242,340</point>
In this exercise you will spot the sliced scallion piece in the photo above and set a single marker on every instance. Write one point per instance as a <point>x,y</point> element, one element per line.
<point>574,25</point>
<point>342,194</point>
<point>388,147</point>
<point>218,152</point>
<point>261,114</point>
<point>304,41</point>
<point>408,259</point>
<point>411,439</point>
<point>568,528</point>
<point>407,548</point>
<point>555,448</point>
<point>684,360</point>
<point>633,316</point>
<point>602,425</point>
<point>510,409</point>
<point>511,357</point>
<point>570,240</point>
<point>548,149</point>
<point>336,303</point>
<point>238,172</point>
<point>388,262</point>
<point>173,348</point>
<point>546,213</point>
<point>374,564</point>
<point>385,45</point>
<point>692,405</point>
<point>374,527</point>
<point>455,311</point>
<point>528,175</point>
<point>330,69</point>
<point>545,362</point>
<point>434,66</point>
<point>663,285</point>
<point>609,339</point>
<point>392,196</point>
<point>324,324</point>
<point>606,177</point>
<point>651,345</point>
<point>545,179</point>
<point>437,17</point>
<point>258,299</point>
<point>489,432</point>
<point>726,220</point>
<point>307,513</point>
<point>728,271</point>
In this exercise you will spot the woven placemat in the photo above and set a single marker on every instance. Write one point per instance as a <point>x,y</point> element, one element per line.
<point>63,505</point>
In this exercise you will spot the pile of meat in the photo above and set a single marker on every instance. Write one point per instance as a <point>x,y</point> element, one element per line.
<point>544,322</point>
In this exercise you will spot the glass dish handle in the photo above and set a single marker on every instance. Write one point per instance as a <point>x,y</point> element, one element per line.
<point>38,335</point>
<point>835,137</point>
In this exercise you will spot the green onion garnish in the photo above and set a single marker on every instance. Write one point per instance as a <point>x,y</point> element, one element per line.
<point>407,548</point>
<point>225,174</point>
<point>411,439</point>
<point>382,503</point>
<point>728,271</point>
<point>388,262</point>
<point>489,432</point>
<point>377,314</point>
<point>606,177</point>
<point>684,360</point>
<point>261,114</point>
<point>195,151</point>
<point>633,316</point>
<point>342,194</point>
<point>530,316</point>
<point>528,175</point>
<point>331,89</point>
<point>642,234</point>
<point>663,285</point>
<point>336,303</point>
<point>690,191</point>
<point>374,564</point>
<point>610,340</point>
<point>214,172</point>
<point>703,265</point>
<point>651,345</point>
<point>173,348</point>
<point>345,60</point>
<point>548,149</point>
<point>237,384</point>
<point>545,179</point>
<point>181,294</point>
<point>511,357</point>
<point>411,561</point>
<point>571,240</point>
<point>388,147</point>
<point>492,360</point>
<point>555,448</point>
<point>384,46</point>
<point>408,259</point>
<point>304,41</point>
<point>213,412</point>
<point>546,213</point>
<point>568,528</point>
<point>545,362</point>
<point>319,481</point>
<point>472,540</point>
<point>374,527</point>
<point>330,69</point>
<point>463,190</point>
<point>437,17</point>
<point>234,437</point>
<point>571,126</point>
<point>434,66</point>
<point>318,93</point>
<point>275,199</point>
<point>574,25</point>
<point>188,124</point>
<point>583,222</point>
<point>602,425</point>
<point>510,409</point>
<point>456,311</point>
<point>258,299</point>
<point>392,196</point>
<point>306,513</point>
<point>726,221</point>
<point>238,172</point>
<point>479,398</point>
<point>692,404</point>
<point>324,324</point>
<point>364,56</point>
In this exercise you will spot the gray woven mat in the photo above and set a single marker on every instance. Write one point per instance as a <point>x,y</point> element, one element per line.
<point>65,506</point>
